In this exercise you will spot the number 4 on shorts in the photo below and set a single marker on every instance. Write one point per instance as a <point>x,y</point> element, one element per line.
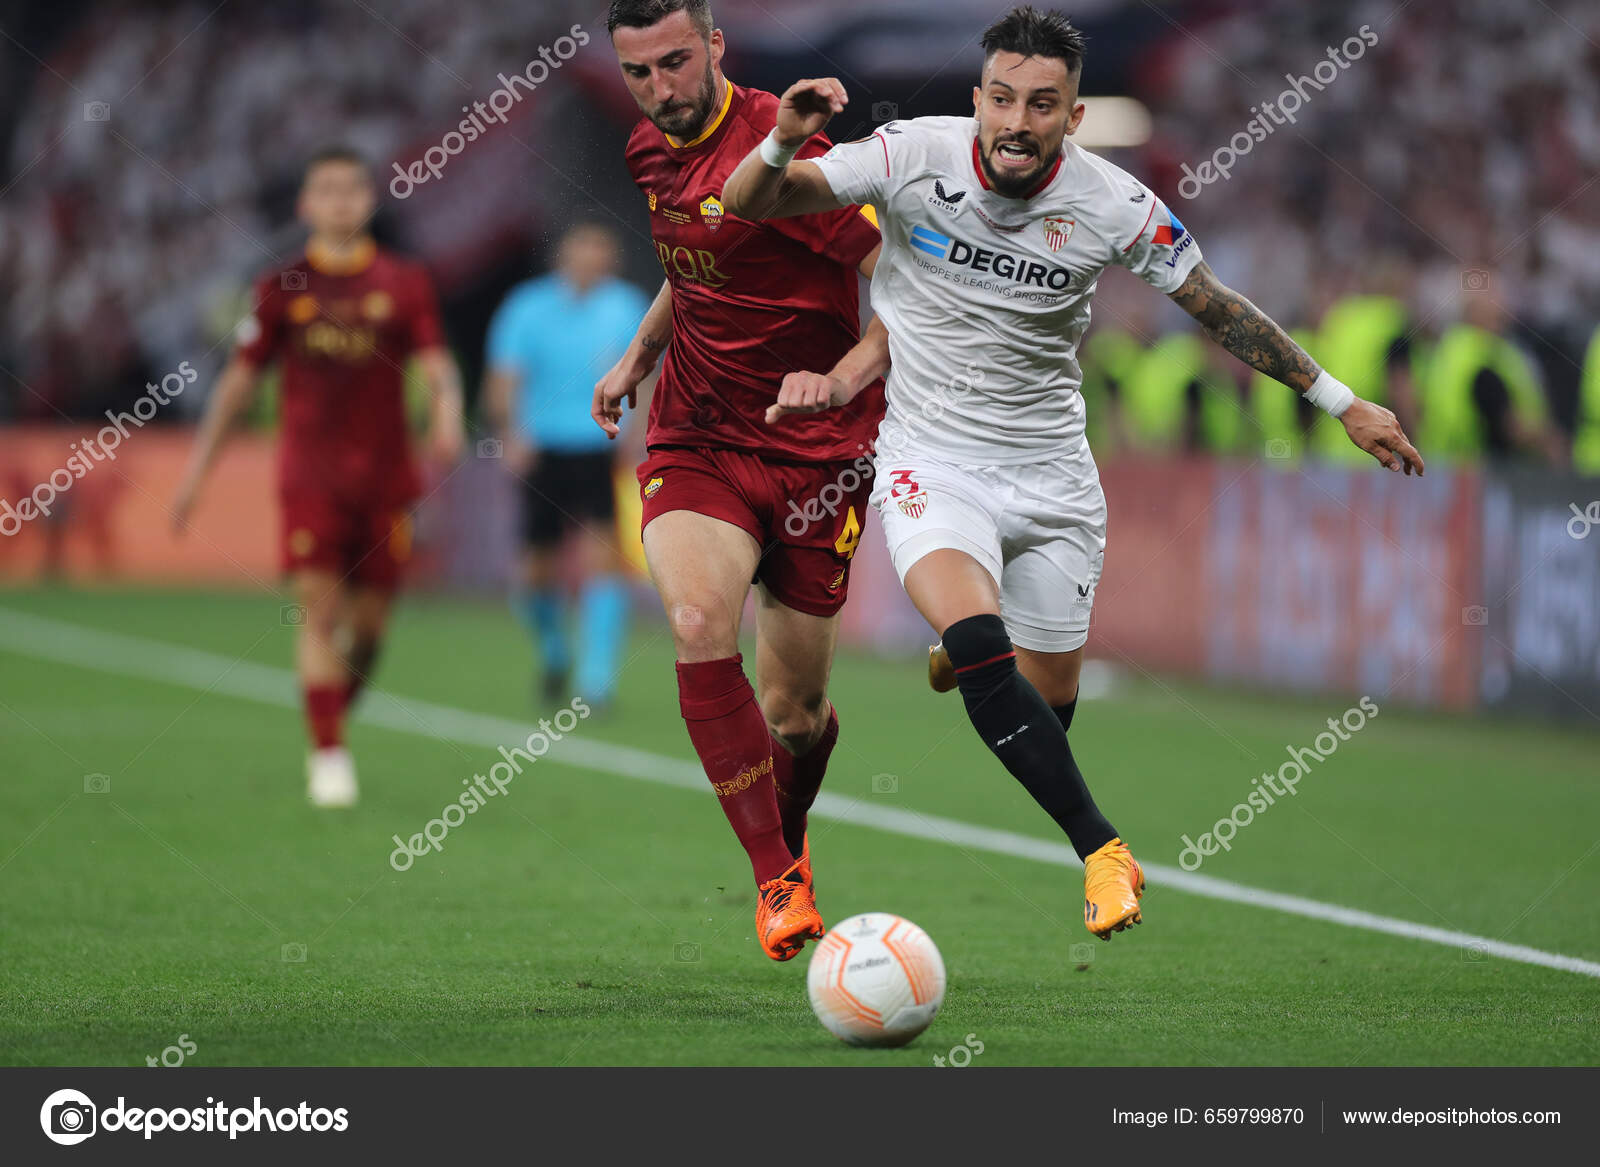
<point>849,535</point>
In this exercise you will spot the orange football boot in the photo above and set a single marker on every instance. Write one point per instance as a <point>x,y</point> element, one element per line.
<point>1112,885</point>
<point>941,673</point>
<point>786,913</point>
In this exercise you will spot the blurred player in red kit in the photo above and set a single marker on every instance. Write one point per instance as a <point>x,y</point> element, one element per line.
<point>342,320</point>
<point>727,499</point>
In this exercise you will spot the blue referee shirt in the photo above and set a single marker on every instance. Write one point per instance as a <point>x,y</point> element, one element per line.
<point>557,344</point>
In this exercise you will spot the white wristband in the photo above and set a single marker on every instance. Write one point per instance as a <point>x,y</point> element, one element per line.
<point>1330,394</point>
<point>773,154</point>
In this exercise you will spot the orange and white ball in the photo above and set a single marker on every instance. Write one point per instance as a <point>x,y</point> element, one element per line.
<point>876,979</point>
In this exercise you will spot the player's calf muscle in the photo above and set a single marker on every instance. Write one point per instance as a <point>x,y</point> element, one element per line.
<point>1054,674</point>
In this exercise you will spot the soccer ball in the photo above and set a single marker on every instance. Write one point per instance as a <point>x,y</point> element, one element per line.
<point>876,979</point>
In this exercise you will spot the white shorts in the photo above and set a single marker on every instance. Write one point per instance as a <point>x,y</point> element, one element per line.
<point>1038,528</point>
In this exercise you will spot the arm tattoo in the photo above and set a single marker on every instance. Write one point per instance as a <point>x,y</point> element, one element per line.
<point>652,344</point>
<point>1244,330</point>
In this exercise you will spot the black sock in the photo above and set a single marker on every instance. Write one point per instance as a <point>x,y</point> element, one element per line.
<point>1064,714</point>
<point>1022,730</point>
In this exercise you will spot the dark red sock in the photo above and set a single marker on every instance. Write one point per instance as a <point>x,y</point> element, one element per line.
<point>730,735</point>
<point>325,714</point>
<point>363,657</point>
<point>799,779</point>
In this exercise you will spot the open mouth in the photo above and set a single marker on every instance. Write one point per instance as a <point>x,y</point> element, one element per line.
<point>1014,154</point>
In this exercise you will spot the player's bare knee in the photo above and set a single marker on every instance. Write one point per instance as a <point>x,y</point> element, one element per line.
<point>795,720</point>
<point>700,633</point>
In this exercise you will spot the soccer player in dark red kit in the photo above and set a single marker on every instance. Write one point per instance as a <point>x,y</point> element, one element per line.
<point>342,320</point>
<point>727,499</point>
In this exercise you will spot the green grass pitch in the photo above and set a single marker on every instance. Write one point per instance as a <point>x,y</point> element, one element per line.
<point>553,928</point>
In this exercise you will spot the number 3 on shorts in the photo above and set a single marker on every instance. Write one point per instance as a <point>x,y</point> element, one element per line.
<point>849,535</point>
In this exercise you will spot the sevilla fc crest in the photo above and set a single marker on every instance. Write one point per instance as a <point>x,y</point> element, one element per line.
<point>1057,230</point>
<point>913,505</point>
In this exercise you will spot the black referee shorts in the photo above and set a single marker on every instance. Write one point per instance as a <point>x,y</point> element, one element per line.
<point>566,490</point>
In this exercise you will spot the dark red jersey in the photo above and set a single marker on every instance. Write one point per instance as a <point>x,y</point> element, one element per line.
<point>751,302</point>
<point>342,334</point>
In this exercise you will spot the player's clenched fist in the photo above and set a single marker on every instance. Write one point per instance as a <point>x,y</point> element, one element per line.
<point>808,393</point>
<point>1377,431</point>
<point>807,107</point>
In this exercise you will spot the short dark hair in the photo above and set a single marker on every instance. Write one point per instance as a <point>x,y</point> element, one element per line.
<point>339,153</point>
<point>1032,33</point>
<point>646,13</point>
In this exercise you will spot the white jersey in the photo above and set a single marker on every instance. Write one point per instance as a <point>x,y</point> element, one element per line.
<point>986,297</point>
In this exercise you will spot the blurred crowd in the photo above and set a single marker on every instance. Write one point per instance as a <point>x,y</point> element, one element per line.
<point>1427,223</point>
<point>154,163</point>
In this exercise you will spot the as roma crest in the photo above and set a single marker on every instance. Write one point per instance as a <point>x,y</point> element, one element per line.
<point>1057,230</point>
<point>711,211</point>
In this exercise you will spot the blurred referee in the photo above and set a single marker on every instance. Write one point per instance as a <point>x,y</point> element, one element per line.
<point>549,342</point>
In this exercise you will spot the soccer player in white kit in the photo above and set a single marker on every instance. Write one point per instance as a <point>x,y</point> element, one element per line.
<point>995,231</point>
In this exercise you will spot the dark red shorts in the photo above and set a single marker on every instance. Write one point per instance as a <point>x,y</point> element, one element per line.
<point>364,545</point>
<point>806,516</point>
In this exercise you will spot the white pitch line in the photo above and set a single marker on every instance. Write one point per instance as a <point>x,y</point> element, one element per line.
<point>132,656</point>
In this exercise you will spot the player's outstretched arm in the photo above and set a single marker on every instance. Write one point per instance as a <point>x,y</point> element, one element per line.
<point>1256,339</point>
<point>230,397</point>
<point>769,183</point>
<point>446,433</point>
<point>621,382</point>
<point>858,368</point>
